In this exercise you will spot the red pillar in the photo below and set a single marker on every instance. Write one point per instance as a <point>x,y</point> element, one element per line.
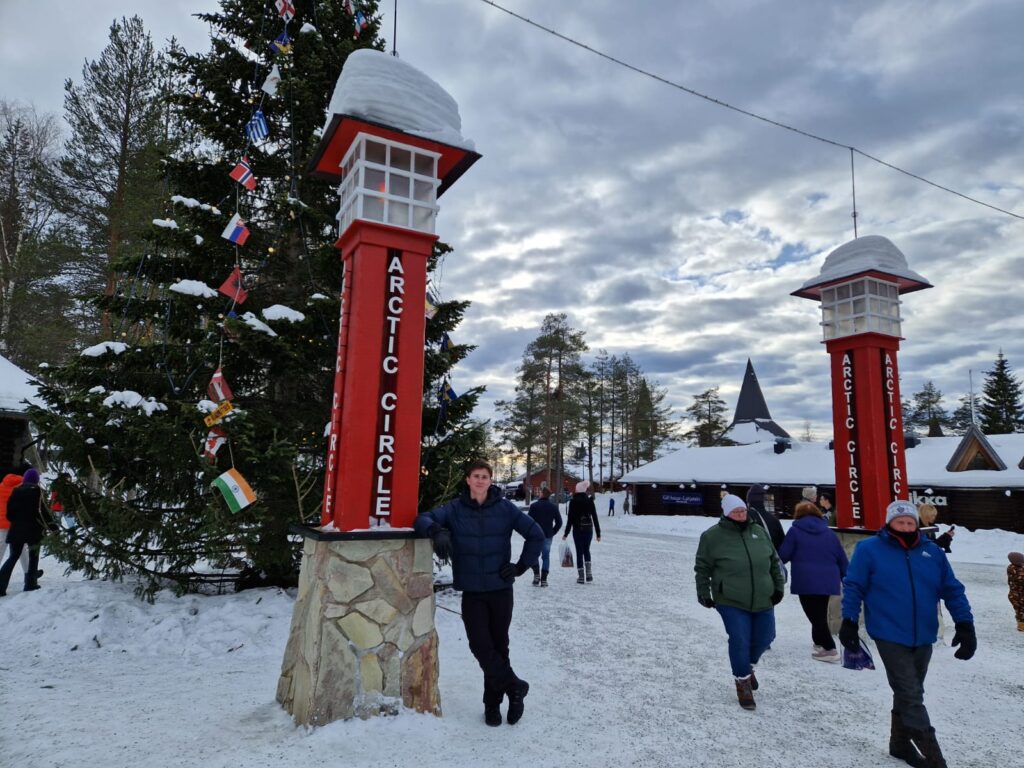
<point>373,465</point>
<point>867,425</point>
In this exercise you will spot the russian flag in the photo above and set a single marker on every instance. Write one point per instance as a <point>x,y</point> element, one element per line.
<point>236,231</point>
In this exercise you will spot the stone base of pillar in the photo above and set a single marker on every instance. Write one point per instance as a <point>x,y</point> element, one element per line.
<point>849,538</point>
<point>362,639</point>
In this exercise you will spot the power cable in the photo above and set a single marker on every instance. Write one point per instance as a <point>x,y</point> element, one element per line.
<point>742,111</point>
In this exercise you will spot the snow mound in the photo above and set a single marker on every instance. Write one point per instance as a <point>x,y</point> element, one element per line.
<point>193,288</point>
<point>166,223</point>
<point>129,399</point>
<point>281,312</point>
<point>256,324</point>
<point>117,347</point>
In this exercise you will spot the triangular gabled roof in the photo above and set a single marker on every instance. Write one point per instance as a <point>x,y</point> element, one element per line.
<point>751,408</point>
<point>975,452</point>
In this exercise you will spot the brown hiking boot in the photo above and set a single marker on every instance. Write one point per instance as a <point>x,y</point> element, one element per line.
<point>745,693</point>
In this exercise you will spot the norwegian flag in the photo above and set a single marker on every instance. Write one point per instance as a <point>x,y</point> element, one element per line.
<point>243,174</point>
<point>218,389</point>
<point>286,9</point>
<point>232,287</point>
<point>215,439</point>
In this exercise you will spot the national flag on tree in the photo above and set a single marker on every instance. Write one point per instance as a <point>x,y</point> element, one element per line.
<point>361,23</point>
<point>281,44</point>
<point>257,129</point>
<point>243,174</point>
<point>235,490</point>
<point>270,84</point>
<point>218,389</point>
<point>232,287</point>
<point>446,343</point>
<point>215,439</point>
<point>430,309</point>
<point>236,231</point>
<point>285,8</point>
<point>348,8</point>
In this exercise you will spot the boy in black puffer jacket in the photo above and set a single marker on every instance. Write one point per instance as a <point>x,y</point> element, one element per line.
<point>475,530</point>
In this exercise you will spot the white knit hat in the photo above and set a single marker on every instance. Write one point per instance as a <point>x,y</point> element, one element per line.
<point>582,486</point>
<point>730,502</point>
<point>901,508</point>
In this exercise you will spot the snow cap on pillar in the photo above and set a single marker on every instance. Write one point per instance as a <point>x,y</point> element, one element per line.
<point>861,256</point>
<point>383,95</point>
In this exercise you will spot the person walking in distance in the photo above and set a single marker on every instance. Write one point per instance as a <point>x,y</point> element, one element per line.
<point>7,486</point>
<point>611,506</point>
<point>819,565</point>
<point>547,516</point>
<point>738,573</point>
<point>899,577</point>
<point>28,519</point>
<point>475,531</point>
<point>582,524</point>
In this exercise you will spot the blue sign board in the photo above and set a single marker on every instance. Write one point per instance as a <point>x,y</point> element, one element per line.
<point>689,498</point>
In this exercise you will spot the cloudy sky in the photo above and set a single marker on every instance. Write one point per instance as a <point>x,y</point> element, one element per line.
<point>672,229</point>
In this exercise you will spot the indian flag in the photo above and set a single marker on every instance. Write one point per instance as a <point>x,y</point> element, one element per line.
<point>236,491</point>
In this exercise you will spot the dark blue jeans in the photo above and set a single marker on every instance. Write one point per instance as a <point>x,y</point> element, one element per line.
<point>750,633</point>
<point>545,556</point>
<point>582,537</point>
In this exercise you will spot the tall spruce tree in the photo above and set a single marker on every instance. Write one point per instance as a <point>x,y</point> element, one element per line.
<point>965,414</point>
<point>1002,411</point>
<point>127,417</point>
<point>927,412</point>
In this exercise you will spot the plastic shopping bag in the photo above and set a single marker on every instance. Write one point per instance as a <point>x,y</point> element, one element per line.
<point>859,659</point>
<point>565,551</point>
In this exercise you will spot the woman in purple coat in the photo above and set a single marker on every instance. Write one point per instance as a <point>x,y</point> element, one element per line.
<point>819,565</point>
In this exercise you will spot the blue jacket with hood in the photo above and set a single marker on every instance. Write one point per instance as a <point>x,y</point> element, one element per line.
<point>482,538</point>
<point>819,562</point>
<point>900,588</point>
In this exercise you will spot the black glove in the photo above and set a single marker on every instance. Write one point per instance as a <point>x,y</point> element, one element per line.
<point>849,636</point>
<point>509,571</point>
<point>707,602</point>
<point>966,639</point>
<point>777,596</point>
<point>442,542</point>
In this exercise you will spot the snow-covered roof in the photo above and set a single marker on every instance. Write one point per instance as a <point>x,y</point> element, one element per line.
<point>381,88</point>
<point>813,464</point>
<point>15,388</point>
<point>871,253</point>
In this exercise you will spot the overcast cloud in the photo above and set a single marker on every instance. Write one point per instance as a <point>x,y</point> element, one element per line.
<point>667,227</point>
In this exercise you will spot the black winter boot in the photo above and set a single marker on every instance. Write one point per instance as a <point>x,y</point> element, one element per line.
<point>580,579</point>
<point>543,578</point>
<point>492,715</point>
<point>590,575</point>
<point>536,576</point>
<point>925,743</point>
<point>516,694</point>
<point>899,743</point>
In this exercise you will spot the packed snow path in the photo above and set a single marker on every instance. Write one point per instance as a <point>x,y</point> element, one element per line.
<point>626,671</point>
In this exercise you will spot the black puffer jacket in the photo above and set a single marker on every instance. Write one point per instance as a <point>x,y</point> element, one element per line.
<point>28,520</point>
<point>582,514</point>
<point>547,517</point>
<point>482,538</point>
<point>764,518</point>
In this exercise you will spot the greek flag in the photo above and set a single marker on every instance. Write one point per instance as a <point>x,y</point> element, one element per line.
<point>256,129</point>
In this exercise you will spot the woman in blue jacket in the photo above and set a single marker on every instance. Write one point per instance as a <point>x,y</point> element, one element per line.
<point>475,530</point>
<point>819,564</point>
<point>900,576</point>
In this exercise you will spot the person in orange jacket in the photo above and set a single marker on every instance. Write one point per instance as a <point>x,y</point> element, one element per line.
<point>7,486</point>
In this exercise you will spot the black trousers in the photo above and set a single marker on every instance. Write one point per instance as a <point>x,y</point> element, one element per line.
<point>8,566</point>
<point>487,616</point>
<point>906,668</point>
<point>816,609</point>
<point>582,537</point>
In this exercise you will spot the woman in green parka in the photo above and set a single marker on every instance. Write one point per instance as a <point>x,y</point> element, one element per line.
<point>738,574</point>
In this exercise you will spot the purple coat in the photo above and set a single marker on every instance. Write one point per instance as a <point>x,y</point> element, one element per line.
<point>819,562</point>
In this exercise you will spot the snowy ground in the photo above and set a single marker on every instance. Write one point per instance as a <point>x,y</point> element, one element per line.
<point>627,671</point>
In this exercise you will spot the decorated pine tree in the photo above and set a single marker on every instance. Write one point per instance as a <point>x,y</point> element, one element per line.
<point>231,313</point>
